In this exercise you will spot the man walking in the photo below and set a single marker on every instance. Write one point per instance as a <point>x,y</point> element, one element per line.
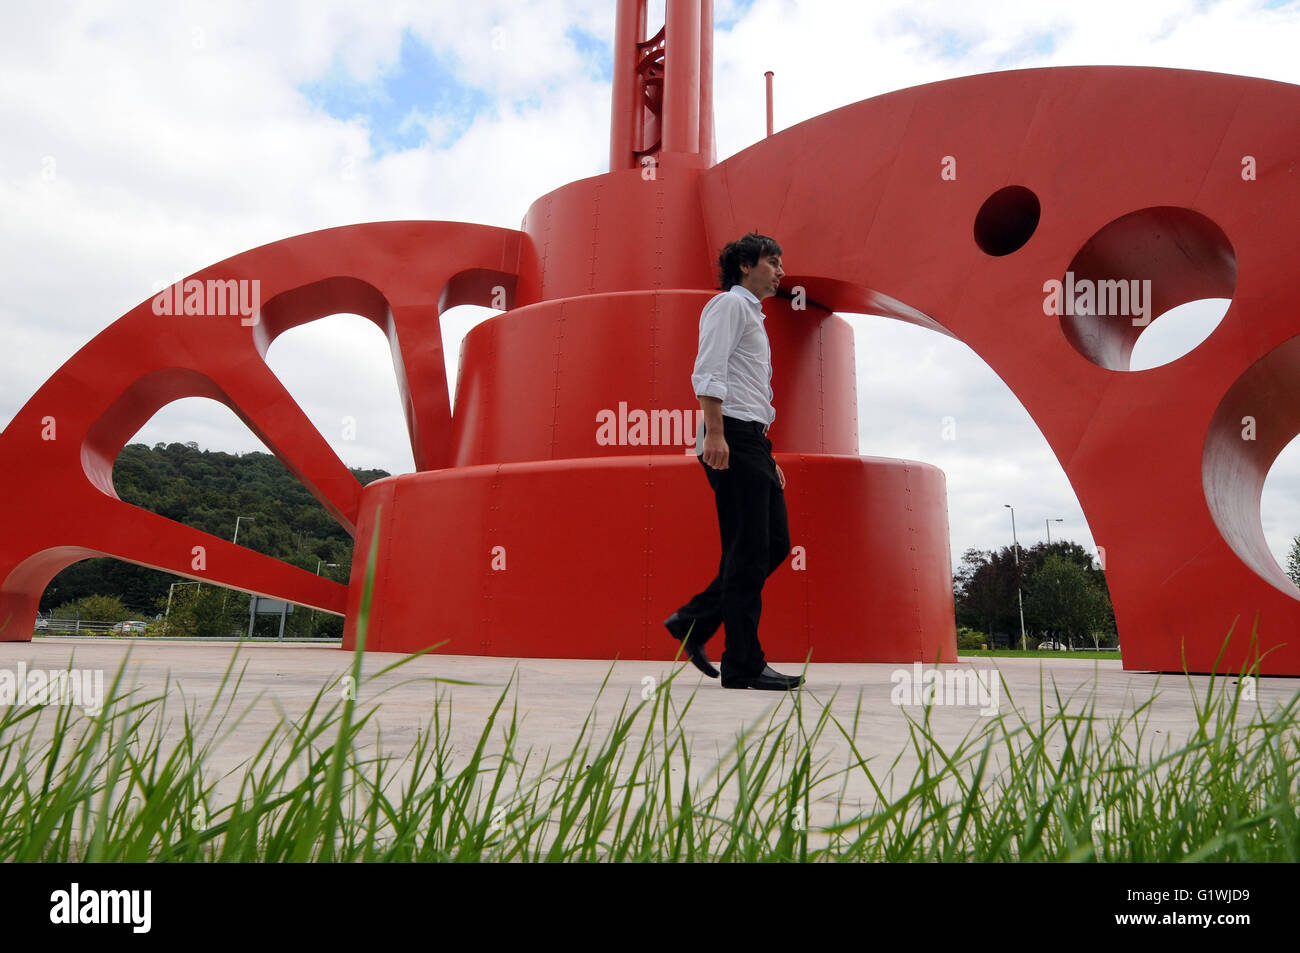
<point>733,381</point>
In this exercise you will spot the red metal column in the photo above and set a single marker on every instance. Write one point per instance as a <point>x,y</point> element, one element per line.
<point>625,111</point>
<point>682,42</point>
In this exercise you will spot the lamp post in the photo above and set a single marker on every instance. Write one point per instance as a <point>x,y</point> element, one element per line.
<point>1048,524</point>
<point>319,563</point>
<point>167,616</point>
<point>1024,643</point>
<point>234,541</point>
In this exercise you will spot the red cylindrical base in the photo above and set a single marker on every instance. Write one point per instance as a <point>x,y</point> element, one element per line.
<point>585,558</point>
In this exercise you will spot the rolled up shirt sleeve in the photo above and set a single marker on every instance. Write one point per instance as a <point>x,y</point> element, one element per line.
<point>721,324</point>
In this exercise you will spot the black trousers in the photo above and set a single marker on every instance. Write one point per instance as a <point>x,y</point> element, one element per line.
<point>754,527</point>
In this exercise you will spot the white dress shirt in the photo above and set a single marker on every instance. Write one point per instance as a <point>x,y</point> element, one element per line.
<point>734,362</point>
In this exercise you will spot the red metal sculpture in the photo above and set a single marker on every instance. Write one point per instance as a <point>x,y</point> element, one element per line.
<point>558,513</point>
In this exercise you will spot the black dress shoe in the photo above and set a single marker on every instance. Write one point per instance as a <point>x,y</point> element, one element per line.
<point>679,628</point>
<point>767,679</point>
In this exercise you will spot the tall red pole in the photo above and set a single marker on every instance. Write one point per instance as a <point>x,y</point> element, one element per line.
<point>708,146</point>
<point>768,74</point>
<point>682,77</point>
<point>624,114</point>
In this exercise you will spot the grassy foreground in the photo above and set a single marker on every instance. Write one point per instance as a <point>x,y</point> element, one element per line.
<point>1073,786</point>
<point>1070,785</point>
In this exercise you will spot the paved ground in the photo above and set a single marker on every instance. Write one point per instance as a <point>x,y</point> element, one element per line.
<point>556,696</point>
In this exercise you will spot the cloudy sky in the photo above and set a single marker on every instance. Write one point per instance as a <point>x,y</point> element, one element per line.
<point>144,141</point>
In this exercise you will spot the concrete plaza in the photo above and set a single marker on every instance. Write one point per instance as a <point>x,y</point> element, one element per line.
<point>875,703</point>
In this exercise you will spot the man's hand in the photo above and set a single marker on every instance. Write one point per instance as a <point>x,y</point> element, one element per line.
<point>716,452</point>
<point>780,475</point>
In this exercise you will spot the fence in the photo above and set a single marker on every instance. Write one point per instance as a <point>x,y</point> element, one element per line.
<point>73,626</point>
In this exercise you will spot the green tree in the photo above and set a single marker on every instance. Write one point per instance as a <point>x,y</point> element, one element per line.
<point>1057,599</point>
<point>95,608</point>
<point>203,612</point>
<point>1065,600</point>
<point>1101,618</point>
<point>984,591</point>
<point>1293,561</point>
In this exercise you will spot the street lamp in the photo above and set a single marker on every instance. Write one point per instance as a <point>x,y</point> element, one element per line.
<point>235,539</point>
<point>319,563</point>
<point>1048,524</point>
<point>1024,643</point>
<point>167,617</point>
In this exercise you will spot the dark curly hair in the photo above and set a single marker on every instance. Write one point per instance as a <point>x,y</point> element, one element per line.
<point>743,251</point>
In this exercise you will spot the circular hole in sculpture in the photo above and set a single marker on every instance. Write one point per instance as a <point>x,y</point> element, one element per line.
<point>1249,464</point>
<point>1006,220</point>
<point>1138,269</point>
